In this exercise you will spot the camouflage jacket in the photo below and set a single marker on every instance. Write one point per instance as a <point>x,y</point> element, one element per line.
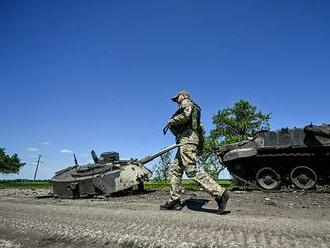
<point>181,120</point>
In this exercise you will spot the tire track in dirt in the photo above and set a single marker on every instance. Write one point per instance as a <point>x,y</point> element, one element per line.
<point>111,226</point>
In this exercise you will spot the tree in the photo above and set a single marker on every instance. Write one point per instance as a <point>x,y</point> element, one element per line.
<point>161,168</point>
<point>9,164</point>
<point>210,164</point>
<point>237,123</point>
<point>232,124</point>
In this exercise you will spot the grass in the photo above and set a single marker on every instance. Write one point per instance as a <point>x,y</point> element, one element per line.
<point>186,183</point>
<point>25,184</point>
<point>151,184</point>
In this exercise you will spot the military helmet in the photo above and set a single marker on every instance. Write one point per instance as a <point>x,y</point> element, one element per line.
<point>175,98</point>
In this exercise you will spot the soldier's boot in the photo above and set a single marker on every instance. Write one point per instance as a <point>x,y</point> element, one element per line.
<point>222,201</point>
<point>172,205</point>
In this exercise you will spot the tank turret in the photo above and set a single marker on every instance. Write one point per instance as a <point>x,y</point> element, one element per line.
<point>108,174</point>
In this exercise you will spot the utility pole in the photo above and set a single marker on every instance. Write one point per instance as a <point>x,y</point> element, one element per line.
<point>35,173</point>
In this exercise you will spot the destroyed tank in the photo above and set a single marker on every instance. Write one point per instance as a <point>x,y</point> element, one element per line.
<point>108,174</point>
<point>298,157</point>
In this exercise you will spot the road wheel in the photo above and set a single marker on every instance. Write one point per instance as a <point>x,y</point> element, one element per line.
<point>268,178</point>
<point>303,177</point>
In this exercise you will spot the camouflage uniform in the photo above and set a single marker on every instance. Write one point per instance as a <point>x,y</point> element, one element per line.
<point>184,124</point>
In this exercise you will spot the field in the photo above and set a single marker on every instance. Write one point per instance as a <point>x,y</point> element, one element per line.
<point>152,184</point>
<point>25,184</point>
<point>186,183</point>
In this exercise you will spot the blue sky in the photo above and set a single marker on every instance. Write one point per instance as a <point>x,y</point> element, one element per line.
<point>83,75</point>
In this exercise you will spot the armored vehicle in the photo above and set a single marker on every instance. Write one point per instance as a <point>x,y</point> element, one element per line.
<point>298,157</point>
<point>108,174</point>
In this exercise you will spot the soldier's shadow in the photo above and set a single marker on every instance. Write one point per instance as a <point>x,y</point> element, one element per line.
<point>197,205</point>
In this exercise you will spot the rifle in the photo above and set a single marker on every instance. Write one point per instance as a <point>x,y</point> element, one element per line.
<point>165,129</point>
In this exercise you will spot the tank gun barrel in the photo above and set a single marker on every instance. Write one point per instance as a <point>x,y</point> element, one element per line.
<point>151,157</point>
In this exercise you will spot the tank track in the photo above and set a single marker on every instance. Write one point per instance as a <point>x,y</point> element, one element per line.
<point>244,171</point>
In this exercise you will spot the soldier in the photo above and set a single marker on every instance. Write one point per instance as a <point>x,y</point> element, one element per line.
<point>185,125</point>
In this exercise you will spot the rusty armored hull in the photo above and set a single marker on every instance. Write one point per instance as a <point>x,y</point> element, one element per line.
<point>298,157</point>
<point>108,174</point>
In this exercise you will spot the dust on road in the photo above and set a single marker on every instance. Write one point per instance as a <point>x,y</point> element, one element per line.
<point>256,219</point>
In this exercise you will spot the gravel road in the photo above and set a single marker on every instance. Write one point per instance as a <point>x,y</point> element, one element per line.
<point>256,219</point>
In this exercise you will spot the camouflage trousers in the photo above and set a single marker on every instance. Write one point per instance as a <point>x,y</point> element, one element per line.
<point>185,161</point>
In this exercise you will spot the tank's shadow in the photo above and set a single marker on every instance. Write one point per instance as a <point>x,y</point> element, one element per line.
<point>197,205</point>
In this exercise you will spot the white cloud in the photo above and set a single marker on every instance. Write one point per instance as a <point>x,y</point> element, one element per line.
<point>66,151</point>
<point>32,149</point>
<point>46,143</point>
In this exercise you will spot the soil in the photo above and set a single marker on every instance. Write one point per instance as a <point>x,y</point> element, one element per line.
<point>252,219</point>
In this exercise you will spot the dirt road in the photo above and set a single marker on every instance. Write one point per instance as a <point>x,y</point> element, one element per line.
<point>256,219</point>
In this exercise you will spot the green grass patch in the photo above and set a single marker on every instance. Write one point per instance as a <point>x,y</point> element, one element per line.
<point>151,184</point>
<point>13,184</point>
<point>186,183</point>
